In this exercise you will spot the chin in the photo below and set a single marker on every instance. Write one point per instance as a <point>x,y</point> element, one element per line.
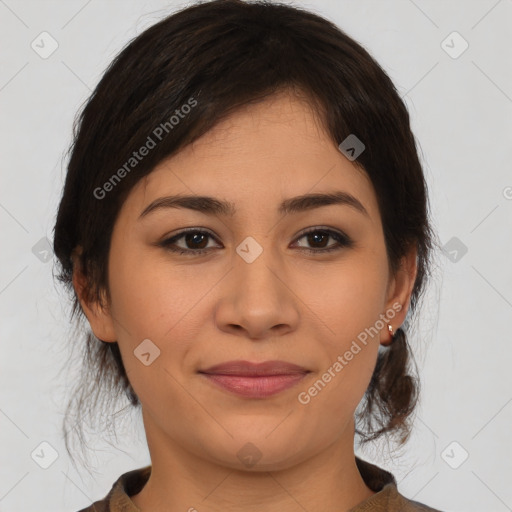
<point>259,453</point>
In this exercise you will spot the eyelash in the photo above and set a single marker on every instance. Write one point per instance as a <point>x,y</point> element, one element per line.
<point>343,241</point>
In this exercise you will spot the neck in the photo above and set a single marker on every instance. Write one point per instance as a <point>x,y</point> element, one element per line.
<point>180,480</point>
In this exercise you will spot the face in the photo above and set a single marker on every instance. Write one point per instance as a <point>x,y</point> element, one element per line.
<point>254,282</point>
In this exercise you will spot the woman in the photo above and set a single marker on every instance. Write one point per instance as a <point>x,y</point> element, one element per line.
<point>245,227</point>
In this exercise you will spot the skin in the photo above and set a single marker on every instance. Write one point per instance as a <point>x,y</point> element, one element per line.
<point>288,304</point>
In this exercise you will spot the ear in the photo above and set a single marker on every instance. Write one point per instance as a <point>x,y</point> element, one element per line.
<point>399,293</point>
<point>97,313</point>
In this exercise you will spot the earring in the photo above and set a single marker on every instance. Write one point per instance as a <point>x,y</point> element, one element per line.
<point>387,343</point>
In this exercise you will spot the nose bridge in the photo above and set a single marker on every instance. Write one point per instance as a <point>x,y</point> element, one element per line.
<point>256,268</point>
<point>256,297</point>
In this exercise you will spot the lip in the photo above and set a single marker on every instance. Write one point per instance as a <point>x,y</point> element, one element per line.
<point>255,380</point>
<point>248,369</point>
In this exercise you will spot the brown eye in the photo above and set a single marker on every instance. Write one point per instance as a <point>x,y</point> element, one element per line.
<point>318,240</point>
<point>195,242</point>
<point>196,239</point>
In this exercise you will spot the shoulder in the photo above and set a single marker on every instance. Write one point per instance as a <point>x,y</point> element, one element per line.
<point>387,498</point>
<point>97,506</point>
<point>413,506</point>
<point>118,498</point>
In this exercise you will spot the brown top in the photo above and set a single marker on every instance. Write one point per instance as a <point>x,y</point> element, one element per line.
<point>382,482</point>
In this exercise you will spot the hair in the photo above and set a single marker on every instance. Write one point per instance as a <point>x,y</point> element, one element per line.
<point>217,57</point>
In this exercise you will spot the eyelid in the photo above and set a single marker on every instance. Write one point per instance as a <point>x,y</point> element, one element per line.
<point>342,239</point>
<point>172,238</point>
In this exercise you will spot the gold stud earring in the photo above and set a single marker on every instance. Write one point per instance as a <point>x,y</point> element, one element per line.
<point>387,343</point>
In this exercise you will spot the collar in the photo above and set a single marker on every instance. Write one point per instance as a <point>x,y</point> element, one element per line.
<point>379,480</point>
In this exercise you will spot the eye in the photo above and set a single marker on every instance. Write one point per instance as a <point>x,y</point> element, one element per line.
<point>195,240</point>
<point>318,237</point>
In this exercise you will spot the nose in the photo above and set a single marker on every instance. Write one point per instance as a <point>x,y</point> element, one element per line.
<point>257,299</point>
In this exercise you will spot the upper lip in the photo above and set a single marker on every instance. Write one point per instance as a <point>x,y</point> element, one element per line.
<point>249,369</point>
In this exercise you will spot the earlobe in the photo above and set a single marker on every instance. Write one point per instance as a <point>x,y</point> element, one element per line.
<point>98,315</point>
<point>401,291</point>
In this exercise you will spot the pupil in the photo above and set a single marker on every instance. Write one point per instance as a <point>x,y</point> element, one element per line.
<point>315,236</point>
<point>315,239</point>
<point>195,239</point>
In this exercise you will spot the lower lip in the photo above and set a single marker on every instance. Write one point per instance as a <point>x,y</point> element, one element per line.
<point>255,387</point>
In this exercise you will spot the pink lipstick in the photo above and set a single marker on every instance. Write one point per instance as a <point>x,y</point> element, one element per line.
<point>255,380</point>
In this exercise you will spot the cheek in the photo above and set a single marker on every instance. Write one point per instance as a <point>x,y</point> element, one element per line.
<point>349,306</point>
<point>160,301</point>
<point>348,296</point>
<point>150,301</point>
<point>148,295</point>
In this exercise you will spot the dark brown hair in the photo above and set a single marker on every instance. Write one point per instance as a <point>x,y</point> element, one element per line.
<point>225,54</point>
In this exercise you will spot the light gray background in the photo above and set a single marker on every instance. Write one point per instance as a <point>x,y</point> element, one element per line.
<point>461,115</point>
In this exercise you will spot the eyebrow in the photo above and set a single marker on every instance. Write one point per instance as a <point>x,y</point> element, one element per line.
<point>212,206</point>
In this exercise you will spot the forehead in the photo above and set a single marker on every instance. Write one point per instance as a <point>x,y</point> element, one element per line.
<point>258,155</point>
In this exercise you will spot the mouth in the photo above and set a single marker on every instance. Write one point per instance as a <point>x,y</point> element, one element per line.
<point>255,380</point>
